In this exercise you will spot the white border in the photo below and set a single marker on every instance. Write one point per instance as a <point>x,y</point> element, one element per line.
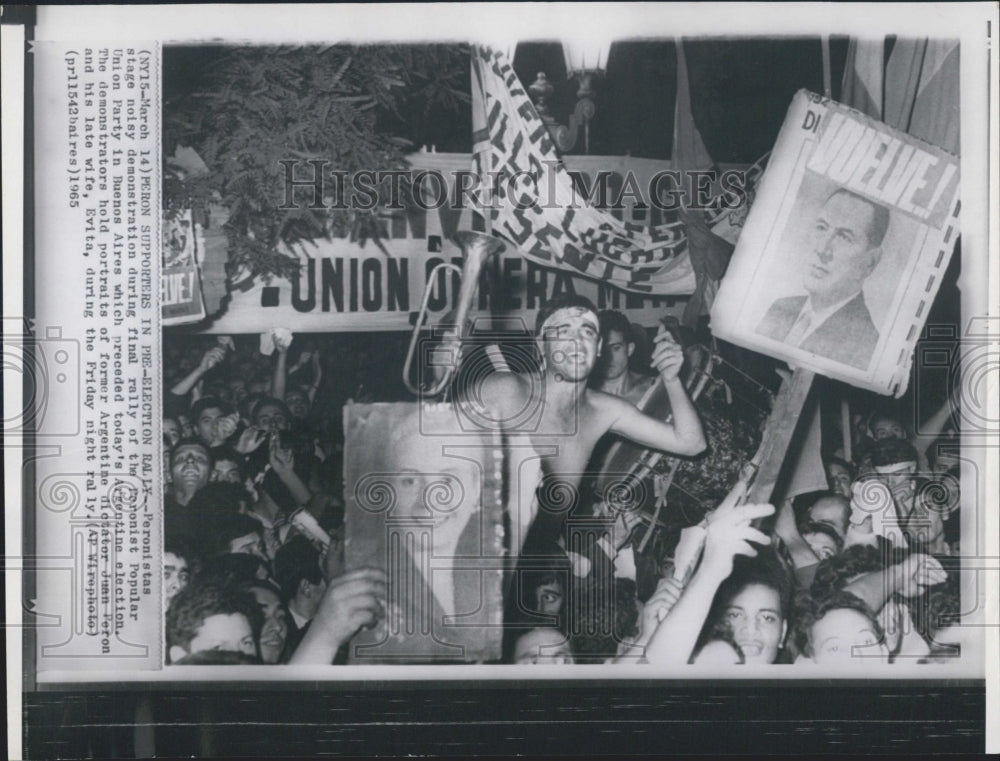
<point>12,114</point>
<point>497,23</point>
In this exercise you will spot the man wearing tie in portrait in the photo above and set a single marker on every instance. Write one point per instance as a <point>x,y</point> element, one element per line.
<point>832,319</point>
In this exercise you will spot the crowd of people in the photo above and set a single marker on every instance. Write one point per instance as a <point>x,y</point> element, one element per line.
<point>862,571</point>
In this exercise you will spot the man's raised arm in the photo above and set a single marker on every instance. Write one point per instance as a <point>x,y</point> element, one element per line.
<point>683,435</point>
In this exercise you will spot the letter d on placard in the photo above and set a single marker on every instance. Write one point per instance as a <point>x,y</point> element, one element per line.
<point>811,122</point>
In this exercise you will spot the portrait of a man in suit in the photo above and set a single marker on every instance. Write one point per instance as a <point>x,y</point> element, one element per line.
<point>832,319</point>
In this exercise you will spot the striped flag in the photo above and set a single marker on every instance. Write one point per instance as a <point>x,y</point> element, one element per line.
<point>864,76</point>
<point>921,91</point>
<point>916,90</point>
<point>539,210</point>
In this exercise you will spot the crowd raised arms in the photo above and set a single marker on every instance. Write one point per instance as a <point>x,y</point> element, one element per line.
<point>253,558</point>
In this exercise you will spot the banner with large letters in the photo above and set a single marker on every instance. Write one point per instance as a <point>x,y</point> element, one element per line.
<point>346,285</point>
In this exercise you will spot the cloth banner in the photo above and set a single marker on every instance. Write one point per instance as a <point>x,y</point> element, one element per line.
<point>864,76</point>
<point>540,211</point>
<point>916,90</point>
<point>708,252</point>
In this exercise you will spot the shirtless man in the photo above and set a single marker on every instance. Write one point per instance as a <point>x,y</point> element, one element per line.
<point>563,419</point>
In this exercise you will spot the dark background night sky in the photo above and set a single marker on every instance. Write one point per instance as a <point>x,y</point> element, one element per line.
<point>740,90</point>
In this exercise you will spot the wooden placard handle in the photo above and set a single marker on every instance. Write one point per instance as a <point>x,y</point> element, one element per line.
<point>778,433</point>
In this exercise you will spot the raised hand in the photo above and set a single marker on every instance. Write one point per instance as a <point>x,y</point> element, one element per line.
<point>226,427</point>
<point>667,593</point>
<point>250,439</point>
<point>919,571</point>
<point>668,356</point>
<point>730,533</point>
<point>351,601</point>
<point>281,459</point>
<point>282,341</point>
<point>212,357</point>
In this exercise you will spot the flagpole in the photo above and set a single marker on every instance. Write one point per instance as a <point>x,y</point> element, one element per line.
<point>827,77</point>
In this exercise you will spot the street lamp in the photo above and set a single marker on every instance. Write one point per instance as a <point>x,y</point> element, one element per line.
<point>584,59</point>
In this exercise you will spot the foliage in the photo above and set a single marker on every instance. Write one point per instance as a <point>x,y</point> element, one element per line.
<point>258,106</point>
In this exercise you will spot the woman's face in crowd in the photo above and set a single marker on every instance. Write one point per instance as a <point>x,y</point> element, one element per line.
<point>274,632</point>
<point>542,646</point>
<point>754,616</point>
<point>549,598</point>
<point>843,634</point>
<point>175,575</point>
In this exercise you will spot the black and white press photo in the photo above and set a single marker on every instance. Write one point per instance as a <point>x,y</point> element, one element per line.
<point>428,351</point>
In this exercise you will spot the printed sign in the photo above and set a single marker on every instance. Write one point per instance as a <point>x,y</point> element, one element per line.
<point>844,248</point>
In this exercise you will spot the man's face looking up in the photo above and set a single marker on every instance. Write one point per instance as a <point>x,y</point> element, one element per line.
<point>841,255</point>
<point>190,466</point>
<point>571,342</point>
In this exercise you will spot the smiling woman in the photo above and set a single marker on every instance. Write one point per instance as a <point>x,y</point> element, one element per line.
<point>752,605</point>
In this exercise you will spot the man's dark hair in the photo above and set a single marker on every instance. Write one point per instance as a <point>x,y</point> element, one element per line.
<point>231,569</point>
<point>228,454</point>
<point>229,526</point>
<point>219,658</point>
<point>880,217</point>
<point>844,502</point>
<point>218,497</point>
<point>270,401</point>
<point>812,527</point>
<point>892,452</point>
<point>812,611</point>
<point>199,600</point>
<point>834,460</point>
<point>766,570</point>
<point>938,608</point>
<point>562,302</point>
<point>182,546</point>
<point>612,320</point>
<point>597,629</point>
<point>248,403</point>
<point>295,560</point>
<point>835,572</point>
<point>208,403</point>
<point>191,442</point>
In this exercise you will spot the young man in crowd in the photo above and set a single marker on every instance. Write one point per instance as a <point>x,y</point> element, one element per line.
<point>204,617</point>
<point>562,419</point>
<point>178,562</point>
<point>617,348</point>
<point>300,577</point>
<point>190,470</point>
